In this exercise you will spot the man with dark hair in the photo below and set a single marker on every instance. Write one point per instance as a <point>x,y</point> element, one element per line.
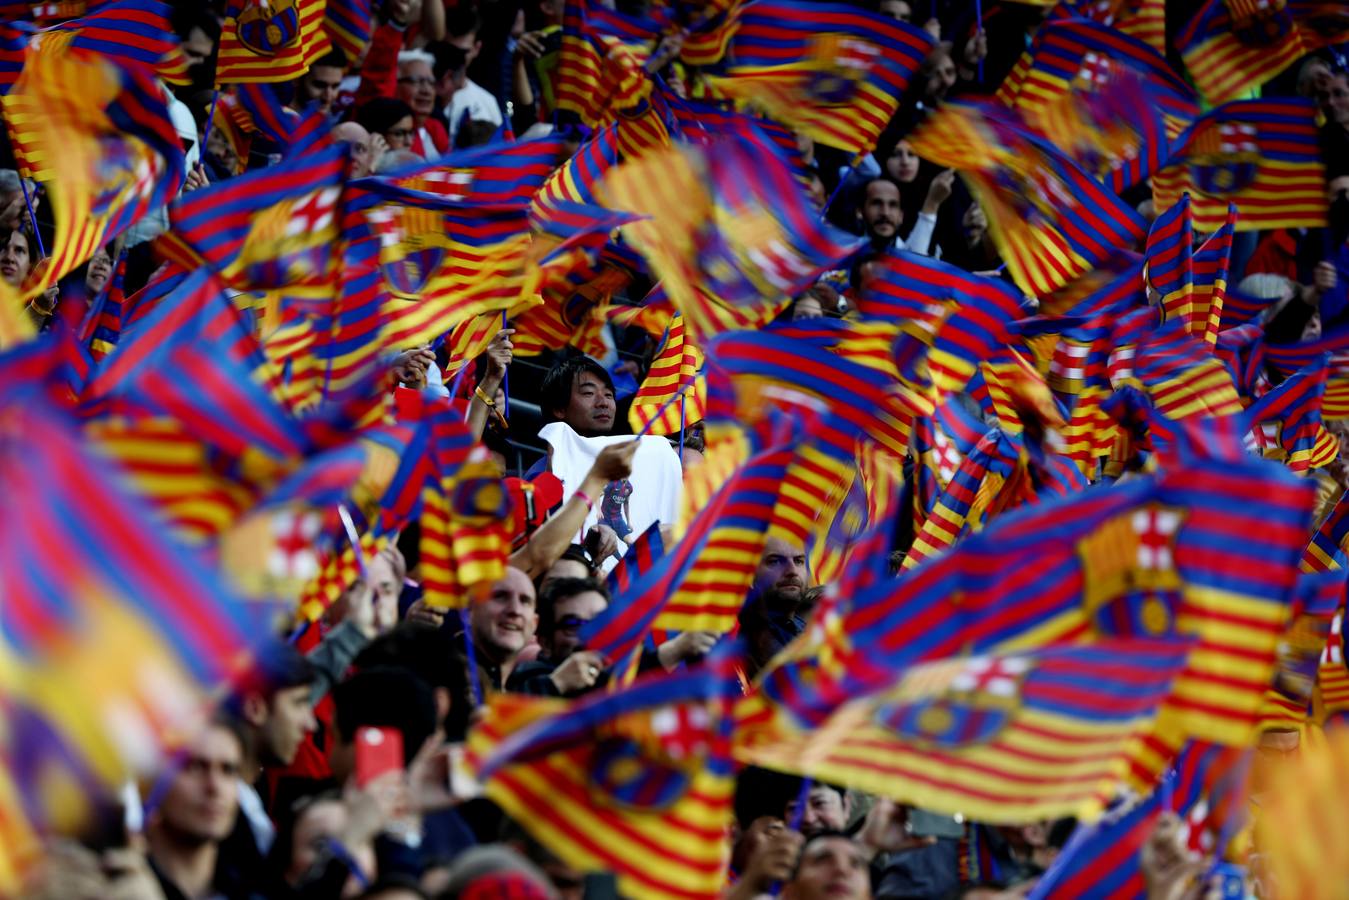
<point>321,84</point>
<point>433,656</point>
<point>575,562</point>
<point>580,392</point>
<point>195,815</point>
<point>469,101</point>
<point>882,213</point>
<point>769,619</point>
<point>828,808</point>
<point>381,697</point>
<point>562,668</point>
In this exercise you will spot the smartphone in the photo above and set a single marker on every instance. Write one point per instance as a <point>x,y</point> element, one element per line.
<point>925,824</point>
<point>378,751</point>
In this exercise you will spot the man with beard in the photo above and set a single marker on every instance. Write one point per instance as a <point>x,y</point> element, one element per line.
<point>883,213</point>
<point>769,621</point>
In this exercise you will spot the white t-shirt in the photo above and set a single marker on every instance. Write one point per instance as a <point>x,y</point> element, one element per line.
<point>477,102</point>
<point>628,507</point>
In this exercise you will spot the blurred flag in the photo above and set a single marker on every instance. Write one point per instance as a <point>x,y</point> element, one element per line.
<point>999,738</point>
<point>1206,790</point>
<point>637,782</point>
<point>114,633</point>
<point>674,372</point>
<point>1234,47</point>
<point>1052,222</point>
<point>139,32</point>
<point>270,40</point>
<point>727,222</point>
<point>833,72</point>
<point>100,137</point>
<point>1260,155</point>
<point>272,228</point>
<point>600,68</point>
<point>348,24</point>
<point>1286,422</point>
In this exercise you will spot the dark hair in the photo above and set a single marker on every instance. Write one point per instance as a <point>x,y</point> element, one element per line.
<point>186,16</point>
<point>25,229</point>
<point>462,19</point>
<point>386,697</point>
<point>474,133</point>
<point>560,589</point>
<point>578,553</point>
<point>333,59</point>
<point>382,113</point>
<point>433,655</point>
<point>555,392</point>
<point>288,816</point>
<point>448,58</point>
<point>277,666</point>
<point>883,177</point>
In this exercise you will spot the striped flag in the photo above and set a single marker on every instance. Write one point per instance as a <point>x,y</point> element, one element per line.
<point>1004,737</point>
<point>1261,155</point>
<point>833,72</point>
<point>727,222</point>
<point>270,40</point>
<point>638,782</point>
<point>674,370</point>
<point>100,136</point>
<point>1207,791</point>
<point>600,68</point>
<point>137,32</point>
<point>1286,422</point>
<point>349,25</point>
<point>271,228</point>
<point>1051,221</point>
<point>1231,48</point>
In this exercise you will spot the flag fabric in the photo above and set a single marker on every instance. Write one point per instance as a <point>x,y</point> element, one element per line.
<point>270,40</point>
<point>100,135</point>
<point>674,372</point>
<point>272,228</point>
<point>114,632</point>
<point>1170,260</point>
<point>138,32</point>
<point>998,738</point>
<point>1051,221</point>
<point>1292,411</point>
<point>1070,54</point>
<point>724,222</point>
<point>600,67</point>
<point>1207,791</point>
<point>14,39</point>
<point>637,782</point>
<point>833,72</point>
<point>349,24</point>
<point>1260,155</point>
<point>1230,48</point>
<point>1211,263</point>
<point>1325,552</point>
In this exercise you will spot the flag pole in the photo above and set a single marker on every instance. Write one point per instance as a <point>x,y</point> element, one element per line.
<point>978,30</point>
<point>798,813</point>
<point>683,423</point>
<point>646,429</point>
<point>505,377</point>
<point>32,217</point>
<point>210,120</point>
<point>471,657</point>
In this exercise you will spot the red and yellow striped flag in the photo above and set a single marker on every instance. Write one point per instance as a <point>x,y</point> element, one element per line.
<point>674,370</point>
<point>270,40</point>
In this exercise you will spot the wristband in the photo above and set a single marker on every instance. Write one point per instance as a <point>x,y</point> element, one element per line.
<point>487,401</point>
<point>590,504</point>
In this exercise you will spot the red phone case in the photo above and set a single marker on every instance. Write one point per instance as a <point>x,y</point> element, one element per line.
<point>378,750</point>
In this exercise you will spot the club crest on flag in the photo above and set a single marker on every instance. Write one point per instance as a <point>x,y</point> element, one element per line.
<point>268,27</point>
<point>623,775</point>
<point>1226,158</point>
<point>1259,23</point>
<point>118,170</point>
<point>1130,584</point>
<point>969,701</point>
<point>844,63</point>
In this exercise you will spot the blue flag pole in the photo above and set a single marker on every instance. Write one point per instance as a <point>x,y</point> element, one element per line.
<point>798,813</point>
<point>32,217</point>
<point>506,377</point>
<point>474,685</point>
<point>978,30</point>
<point>210,120</point>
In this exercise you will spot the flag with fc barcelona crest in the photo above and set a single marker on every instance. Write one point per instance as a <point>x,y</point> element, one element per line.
<point>638,782</point>
<point>1007,737</point>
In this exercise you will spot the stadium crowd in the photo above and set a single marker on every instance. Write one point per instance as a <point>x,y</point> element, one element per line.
<point>335,766</point>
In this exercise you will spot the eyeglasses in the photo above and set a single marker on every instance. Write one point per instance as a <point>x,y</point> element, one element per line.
<point>418,82</point>
<point>571,623</point>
